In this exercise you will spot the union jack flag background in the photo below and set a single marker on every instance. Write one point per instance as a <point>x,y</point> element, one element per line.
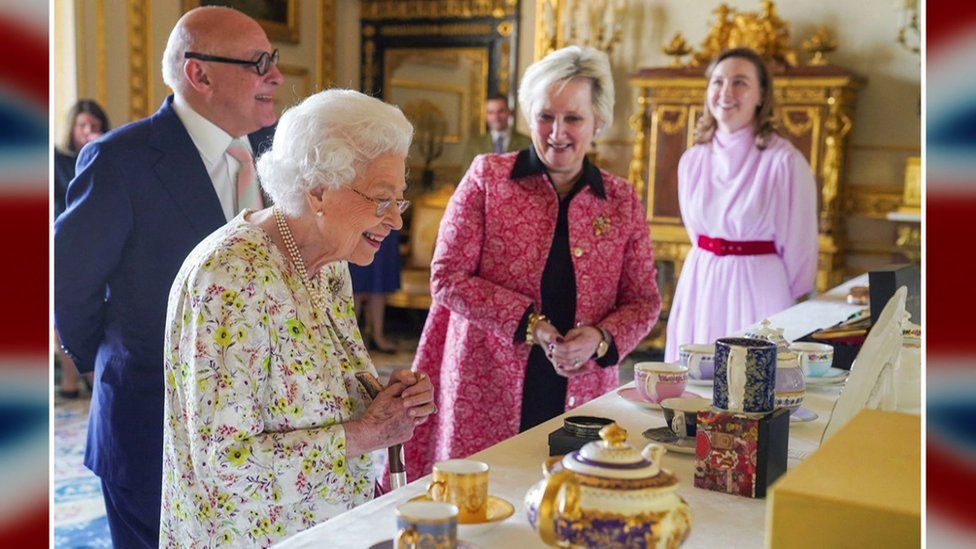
<point>950,302</point>
<point>25,330</point>
<point>950,331</point>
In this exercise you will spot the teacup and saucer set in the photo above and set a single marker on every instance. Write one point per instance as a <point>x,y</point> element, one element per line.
<point>681,422</point>
<point>655,382</point>
<point>815,360</point>
<point>464,483</point>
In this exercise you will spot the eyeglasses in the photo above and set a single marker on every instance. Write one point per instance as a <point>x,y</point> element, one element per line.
<point>262,65</point>
<point>383,205</point>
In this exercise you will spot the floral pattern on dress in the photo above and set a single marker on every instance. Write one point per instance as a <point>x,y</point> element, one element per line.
<point>491,250</point>
<point>258,382</point>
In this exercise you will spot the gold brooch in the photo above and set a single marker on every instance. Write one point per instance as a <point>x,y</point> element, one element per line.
<point>601,225</point>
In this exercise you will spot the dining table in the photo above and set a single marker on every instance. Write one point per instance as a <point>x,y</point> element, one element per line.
<point>718,519</point>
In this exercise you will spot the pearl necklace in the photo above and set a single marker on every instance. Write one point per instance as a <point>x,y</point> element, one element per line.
<point>296,257</point>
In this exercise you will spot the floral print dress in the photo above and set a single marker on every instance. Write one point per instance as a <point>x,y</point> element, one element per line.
<point>259,379</point>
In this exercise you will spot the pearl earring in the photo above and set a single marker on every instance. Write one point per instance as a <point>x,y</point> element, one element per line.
<point>319,213</point>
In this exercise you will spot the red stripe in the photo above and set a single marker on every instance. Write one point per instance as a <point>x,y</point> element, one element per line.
<point>944,19</point>
<point>32,530</point>
<point>951,485</point>
<point>24,62</point>
<point>950,298</point>
<point>24,326</point>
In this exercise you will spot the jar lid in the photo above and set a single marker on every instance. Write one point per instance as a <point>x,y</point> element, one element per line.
<point>585,426</point>
<point>613,458</point>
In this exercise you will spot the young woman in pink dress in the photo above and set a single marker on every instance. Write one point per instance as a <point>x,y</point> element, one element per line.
<point>749,202</point>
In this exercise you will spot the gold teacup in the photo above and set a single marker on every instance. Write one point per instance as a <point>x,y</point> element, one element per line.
<point>463,482</point>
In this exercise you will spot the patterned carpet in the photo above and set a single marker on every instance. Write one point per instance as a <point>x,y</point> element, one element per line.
<point>79,513</point>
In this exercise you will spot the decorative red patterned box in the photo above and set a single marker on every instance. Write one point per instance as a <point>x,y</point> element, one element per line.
<point>741,455</point>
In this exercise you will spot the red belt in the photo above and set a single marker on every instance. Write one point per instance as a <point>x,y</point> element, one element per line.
<point>720,246</point>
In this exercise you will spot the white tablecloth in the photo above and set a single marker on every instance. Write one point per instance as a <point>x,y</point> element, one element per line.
<point>718,520</point>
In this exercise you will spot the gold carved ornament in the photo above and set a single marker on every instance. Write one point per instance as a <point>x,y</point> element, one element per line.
<point>837,126</point>
<point>763,31</point>
<point>819,44</point>
<point>638,162</point>
<point>672,126</point>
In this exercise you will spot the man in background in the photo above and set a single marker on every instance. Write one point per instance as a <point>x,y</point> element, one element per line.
<point>144,196</point>
<point>501,136</point>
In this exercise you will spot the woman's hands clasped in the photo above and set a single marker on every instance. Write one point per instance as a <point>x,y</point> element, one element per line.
<point>407,401</point>
<point>569,354</point>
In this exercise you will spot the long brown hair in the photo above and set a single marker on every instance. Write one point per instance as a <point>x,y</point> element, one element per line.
<point>764,122</point>
<point>83,106</point>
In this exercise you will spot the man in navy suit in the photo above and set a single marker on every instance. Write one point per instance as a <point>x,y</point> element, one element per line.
<point>143,197</point>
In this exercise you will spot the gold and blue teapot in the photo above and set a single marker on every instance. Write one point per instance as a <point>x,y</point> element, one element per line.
<point>608,494</point>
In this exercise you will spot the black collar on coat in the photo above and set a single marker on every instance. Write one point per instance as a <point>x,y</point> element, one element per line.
<point>528,163</point>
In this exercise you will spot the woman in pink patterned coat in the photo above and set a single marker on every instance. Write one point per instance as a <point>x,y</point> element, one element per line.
<point>543,276</point>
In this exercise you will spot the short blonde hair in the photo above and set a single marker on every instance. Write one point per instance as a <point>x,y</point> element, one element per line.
<point>562,66</point>
<point>325,140</point>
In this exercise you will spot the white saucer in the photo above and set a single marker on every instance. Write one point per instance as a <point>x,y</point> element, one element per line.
<point>664,437</point>
<point>499,509</point>
<point>802,415</point>
<point>631,395</point>
<point>701,382</point>
<point>833,376</point>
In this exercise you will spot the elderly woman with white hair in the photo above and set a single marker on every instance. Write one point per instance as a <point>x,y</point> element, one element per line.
<point>267,430</point>
<point>543,276</point>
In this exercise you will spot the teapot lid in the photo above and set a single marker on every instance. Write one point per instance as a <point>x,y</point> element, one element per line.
<point>612,457</point>
<point>769,333</point>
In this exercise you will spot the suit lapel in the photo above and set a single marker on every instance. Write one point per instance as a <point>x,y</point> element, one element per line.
<point>260,142</point>
<point>182,172</point>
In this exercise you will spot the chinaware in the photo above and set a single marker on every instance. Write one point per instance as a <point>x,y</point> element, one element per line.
<point>609,494</point>
<point>665,437</point>
<point>766,331</point>
<point>499,509</point>
<point>681,414</point>
<point>745,375</point>
<point>463,482</point>
<point>790,382</point>
<point>815,358</point>
<point>656,381</point>
<point>426,524</point>
<point>699,358</point>
<point>630,395</point>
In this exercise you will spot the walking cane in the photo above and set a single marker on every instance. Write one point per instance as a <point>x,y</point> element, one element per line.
<point>398,468</point>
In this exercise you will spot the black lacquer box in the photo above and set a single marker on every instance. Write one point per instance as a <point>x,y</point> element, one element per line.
<point>576,432</point>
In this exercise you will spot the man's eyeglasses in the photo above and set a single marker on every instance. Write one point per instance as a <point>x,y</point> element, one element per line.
<point>262,65</point>
<point>383,205</point>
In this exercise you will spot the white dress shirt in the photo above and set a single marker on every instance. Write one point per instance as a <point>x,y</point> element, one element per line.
<point>212,142</point>
<point>506,138</point>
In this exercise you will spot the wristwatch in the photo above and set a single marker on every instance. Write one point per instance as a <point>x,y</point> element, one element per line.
<point>604,345</point>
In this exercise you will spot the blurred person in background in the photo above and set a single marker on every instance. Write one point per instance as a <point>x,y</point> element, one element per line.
<point>370,285</point>
<point>86,122</point>
<point>501,135</point>
<point>144,195</point>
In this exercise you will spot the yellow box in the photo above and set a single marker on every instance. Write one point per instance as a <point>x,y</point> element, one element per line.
<point>862,488</point>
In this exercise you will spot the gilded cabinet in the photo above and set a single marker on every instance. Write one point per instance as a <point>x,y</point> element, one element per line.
<point>815,112</point>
